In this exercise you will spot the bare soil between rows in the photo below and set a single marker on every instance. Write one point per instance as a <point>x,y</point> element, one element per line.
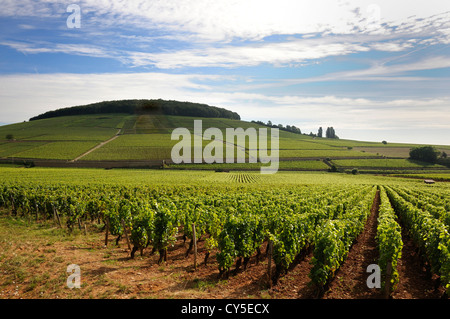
<point>350,281</point>
<point>108,272</point>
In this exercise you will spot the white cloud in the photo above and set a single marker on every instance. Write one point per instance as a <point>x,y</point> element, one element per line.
<point>224,20</point>
<point>225,33</point>
<point>232,33</point>
<point>281,53</point>
<point>51,91</point>
<point>428,63</point>
<point>276,53</point>
<point>45,47</point>
<point>399,73</point>
<point>391,46</point>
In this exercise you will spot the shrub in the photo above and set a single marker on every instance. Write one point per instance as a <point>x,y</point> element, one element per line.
<point>425,154</point>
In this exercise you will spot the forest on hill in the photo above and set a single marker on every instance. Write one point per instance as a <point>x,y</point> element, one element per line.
<point>166,107</point>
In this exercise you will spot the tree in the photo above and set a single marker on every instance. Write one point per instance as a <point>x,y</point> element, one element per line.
<point>166,107</point>
<point>333,168</point>
<point>295,129</point>
<point>9,137</point>
<point>330,133</point>
<point>320,132</point>
<point>384,142</point>
<point>425,154</point>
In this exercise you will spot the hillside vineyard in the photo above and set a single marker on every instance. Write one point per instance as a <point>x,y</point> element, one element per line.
<point>213,152</point>
<point>237,222</point>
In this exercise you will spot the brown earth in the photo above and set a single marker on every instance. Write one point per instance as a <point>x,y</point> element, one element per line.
<point>350,280</point>
<point>33,265</point>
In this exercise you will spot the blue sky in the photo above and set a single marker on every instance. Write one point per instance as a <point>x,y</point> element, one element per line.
<point>374,70</point>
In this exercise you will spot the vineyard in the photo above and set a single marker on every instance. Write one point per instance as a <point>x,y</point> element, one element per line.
<point>245,219</point>
<point>243,178</point>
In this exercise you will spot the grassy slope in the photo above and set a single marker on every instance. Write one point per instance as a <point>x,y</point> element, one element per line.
<point>174,178</point>
<point>145,137</point>
<point>58,138</point>
<point>383,163</point>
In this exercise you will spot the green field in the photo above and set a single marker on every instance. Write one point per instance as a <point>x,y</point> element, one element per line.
<point>142,177</point>
<point>142,137</point>
<point>68,128</point>
<point>331,153</point>
<point>384,163</point>
<point>309,230</point>
<point>58,150</point>
<point>9,149</point>
<point>283,165</point>
<point>80,215</point>
<point>147,137</point>
<point>433,175</point>
<point>237,213</point>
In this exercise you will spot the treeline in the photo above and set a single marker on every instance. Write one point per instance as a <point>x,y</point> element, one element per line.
<point>166,107</point>
<point>429,154</point>
<point>288,128</point>
<point>330,133</point>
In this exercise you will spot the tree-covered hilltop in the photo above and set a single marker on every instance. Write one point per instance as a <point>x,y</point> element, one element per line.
<point>142,107</point>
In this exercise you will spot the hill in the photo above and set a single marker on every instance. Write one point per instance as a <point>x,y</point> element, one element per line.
<point>141,137</point>
<point>143,107</point>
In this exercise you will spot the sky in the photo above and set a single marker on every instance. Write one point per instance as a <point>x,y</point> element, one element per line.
<point>373,70</point>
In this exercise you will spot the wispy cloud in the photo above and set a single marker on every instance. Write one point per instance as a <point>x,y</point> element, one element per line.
<point>279,53</point>
<point>260,58</point>
<point>225,33</point>
<point>50,91</point>
<point>380,72</point>
<point>224,20</point>
<point>56,90</point>
<point>46,47</point>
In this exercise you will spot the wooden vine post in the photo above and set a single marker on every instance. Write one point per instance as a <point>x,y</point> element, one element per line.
<point>194,238</point>
<point>126,234</point>
<point>107,231</point>
<point>269,262</point>
<point>56,216</point>
<point>387,280</point>
<point>13,207</point>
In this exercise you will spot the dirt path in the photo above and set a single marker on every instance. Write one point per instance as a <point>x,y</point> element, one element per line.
<point>98,146</point>
<point>35,258</point>
<point>351,279</point>
<point>296,284</point>
<point>414,282</point>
